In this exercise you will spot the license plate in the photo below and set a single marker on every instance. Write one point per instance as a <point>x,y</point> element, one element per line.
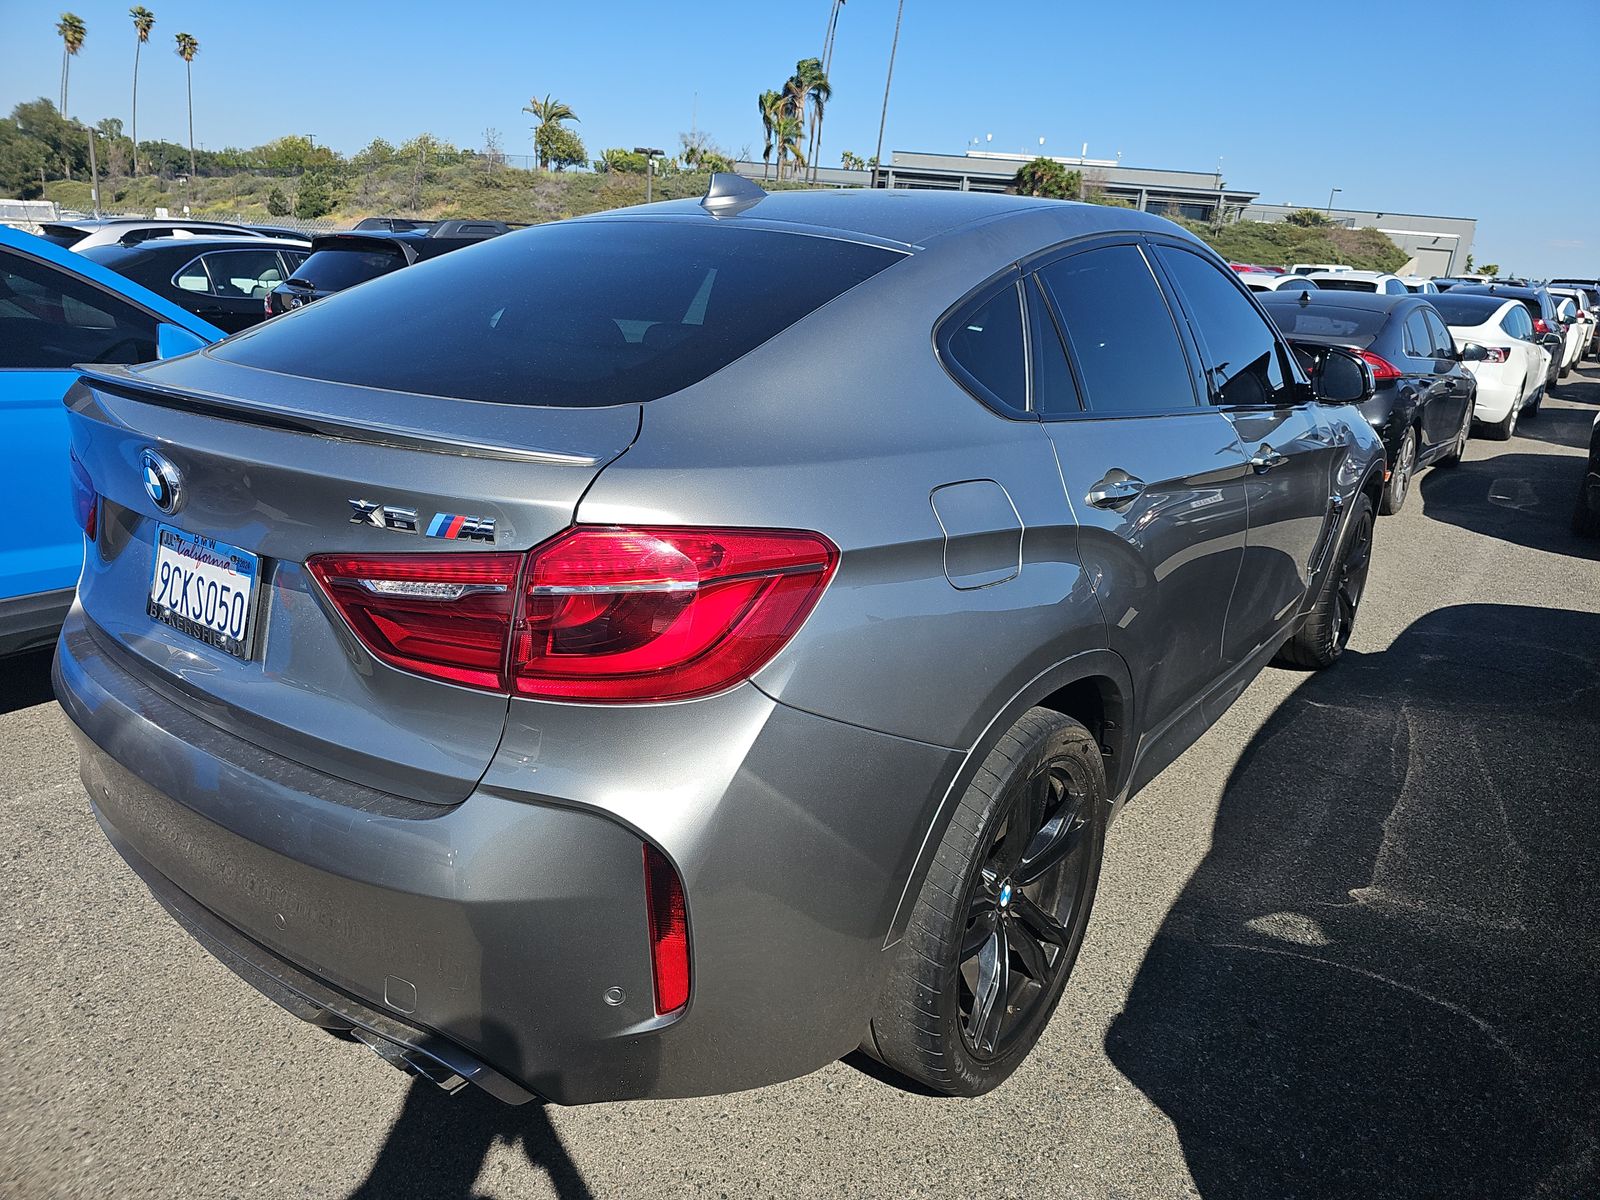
<point>204,588</point>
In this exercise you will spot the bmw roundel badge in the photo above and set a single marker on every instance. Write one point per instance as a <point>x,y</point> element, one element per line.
<point>162,483</point>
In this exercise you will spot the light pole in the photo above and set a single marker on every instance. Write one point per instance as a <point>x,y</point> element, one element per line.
<point>649,169</point>
<point>1332,192</point>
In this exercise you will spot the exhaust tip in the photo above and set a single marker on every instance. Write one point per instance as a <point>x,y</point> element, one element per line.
<point>412,1061</point>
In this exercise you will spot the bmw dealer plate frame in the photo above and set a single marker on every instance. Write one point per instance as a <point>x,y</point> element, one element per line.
<point>205,589</point>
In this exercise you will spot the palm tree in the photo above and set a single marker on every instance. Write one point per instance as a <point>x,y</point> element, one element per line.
<point>547,110</point>
<point>771,105</point>
<point>894,45</point>
<point>821,92</point>
<point>73,31</point>
<point>187,49</point>
<point>827,66</point>
<point>787,131</point>
<point>143,21</point>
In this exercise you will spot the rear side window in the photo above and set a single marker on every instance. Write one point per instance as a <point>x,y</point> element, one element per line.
<point>1242,356</point>
<point>985,344</point>
<point>576,314</point>
<point>1119,332</point>
<point>51,320</point>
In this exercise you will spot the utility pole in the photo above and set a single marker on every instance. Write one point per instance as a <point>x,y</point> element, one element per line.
<point>877,157</point>
<point>649,169</point>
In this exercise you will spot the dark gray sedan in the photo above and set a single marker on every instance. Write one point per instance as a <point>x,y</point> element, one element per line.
<point>657,653</point>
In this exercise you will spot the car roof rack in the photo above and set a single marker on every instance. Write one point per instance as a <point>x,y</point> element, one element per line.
<point>728,195</point>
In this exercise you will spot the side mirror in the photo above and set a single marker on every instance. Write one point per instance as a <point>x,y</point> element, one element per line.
<point>174,340</point>
<point>1341,377</point>
<point>1472,352</point>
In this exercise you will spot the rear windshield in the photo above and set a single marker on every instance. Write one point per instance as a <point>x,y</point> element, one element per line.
<point>572,314</point>
<point>1347,326</point>
<point>1335,284</point>
<point>1457,309</point>
<point>335,270</point>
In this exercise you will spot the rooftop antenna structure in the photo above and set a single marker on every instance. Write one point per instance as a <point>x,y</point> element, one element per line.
<point>728,195</point>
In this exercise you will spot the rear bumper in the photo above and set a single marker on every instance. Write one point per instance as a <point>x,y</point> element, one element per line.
<point>486,936</point>
<point>31,622</point>
<point>1494,398</point>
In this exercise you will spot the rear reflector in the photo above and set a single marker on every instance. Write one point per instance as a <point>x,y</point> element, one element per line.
<point>1382,368</point>
<point>597,614</point>
<point>85,501</point>
<point>669,931</point>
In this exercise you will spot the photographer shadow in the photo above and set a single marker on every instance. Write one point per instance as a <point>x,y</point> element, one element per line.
<point>1382,979</point>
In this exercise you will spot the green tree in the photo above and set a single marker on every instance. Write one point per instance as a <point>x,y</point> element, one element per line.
<point>278,203</point>
<point>143,22</point>
<point>559,148</point>
<point>1486,269</point>
<point>624,162</point>
<point>786,134</point>
<point>187,48</point>
<point>851,161</point>
<point>316,195</point>
<point>73,32</point>
<point>23,162</point>
<point>1048,178</point>
<point>1308,218</point>
<point>550,111</point>
<point>771,105</point>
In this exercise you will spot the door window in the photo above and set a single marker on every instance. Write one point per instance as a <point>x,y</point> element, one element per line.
<point>1444,346</point>
<point>1245,362</point>
<point>50,320</point>
<point>1419,342</point>
<point>242,274</point>
<point>1119,332</point>
<point>986,345</point>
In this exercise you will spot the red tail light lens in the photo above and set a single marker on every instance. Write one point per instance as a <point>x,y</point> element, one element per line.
<point>669,931</point>
<point>1496,354</point>
<point>85,500</point>
<point>1540,325</point>
<point>446,616</point>
<point>1382,368</point>
<point>661,614</point>
<point>595,614</point>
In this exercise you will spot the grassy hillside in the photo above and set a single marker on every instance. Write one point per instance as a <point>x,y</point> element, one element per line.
<point>1279,243</point>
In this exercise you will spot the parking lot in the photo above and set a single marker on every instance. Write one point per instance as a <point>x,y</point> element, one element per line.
<point>1343,947</point>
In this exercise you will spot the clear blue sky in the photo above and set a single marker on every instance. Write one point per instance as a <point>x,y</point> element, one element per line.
<point>1295,99</point>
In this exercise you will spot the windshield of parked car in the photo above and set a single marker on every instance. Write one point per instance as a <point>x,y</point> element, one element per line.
<point>573,314</point>
<point>1457,309</point>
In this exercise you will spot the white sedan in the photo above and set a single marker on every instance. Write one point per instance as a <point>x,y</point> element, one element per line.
<point>1581,331</point>
<point>1512,372</point>
<point>1360,281</point>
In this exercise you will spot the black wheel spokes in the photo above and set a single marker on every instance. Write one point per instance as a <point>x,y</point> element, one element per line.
<point>1017,941</point>
<point>1353,577</point>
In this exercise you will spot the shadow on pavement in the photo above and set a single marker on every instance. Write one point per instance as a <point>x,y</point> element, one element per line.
<point>25,680</point>
<point>1382,979</point>
<point>1559,427</point>
<point>1524,499</point>
<point>438,1145</point>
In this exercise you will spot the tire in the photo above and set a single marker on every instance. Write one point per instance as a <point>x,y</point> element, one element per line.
<point>1453,458</point>
<point>1549,389</point>
<point>1326,632</point>
<point>1405,465</point>
<point>1502,429</point>
<point>975,930</point>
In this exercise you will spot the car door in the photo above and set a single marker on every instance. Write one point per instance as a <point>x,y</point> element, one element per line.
<point>1251,378</point>
<point>1453,394</point>
<point>1156,479</point>
<point>1422,376</point>
<point>49,320</point>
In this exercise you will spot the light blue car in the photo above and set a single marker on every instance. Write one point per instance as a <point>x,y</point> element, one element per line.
<point>57,309</point>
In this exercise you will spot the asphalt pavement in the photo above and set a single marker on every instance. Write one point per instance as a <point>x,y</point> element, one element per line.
<point>1345,946</point>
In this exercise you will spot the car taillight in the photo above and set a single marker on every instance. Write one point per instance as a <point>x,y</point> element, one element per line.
<point>669,931</point>
<point>597,614</point>
<point>85,500</point>
<point>446,616</point>
<point>1382,368</point>
<point>1540,325</point>
<point>614,614</point>
<point>1496,354</point>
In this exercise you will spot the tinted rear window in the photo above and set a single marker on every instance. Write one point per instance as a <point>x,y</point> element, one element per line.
<point>1465,310</point>
<point>1348,326</point>
<point>572,314</point>
<point>1335,284</point>
<point>335,270</point>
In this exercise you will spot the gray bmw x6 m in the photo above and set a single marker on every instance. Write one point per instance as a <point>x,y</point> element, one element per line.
<point>658,653</point>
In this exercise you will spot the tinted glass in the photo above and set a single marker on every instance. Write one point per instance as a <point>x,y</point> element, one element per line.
<point>51,320</point>
<point>1054,391</point>
<point>986,343</point>
<point>573,314</point>
<point>1241,350</point>
<point>1465,309</point>
<point>1333,283</point>
<point>1444,346</point>
<point>335,270</point>
<point>1419,342</point>
<point>243,274</point>
<point>192,277</point>
<point>1327,322</point>
<point>1119,332</point>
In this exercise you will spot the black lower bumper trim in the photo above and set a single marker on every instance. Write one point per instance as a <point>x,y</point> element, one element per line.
<point>408,1047</point>
<point>32,622</point>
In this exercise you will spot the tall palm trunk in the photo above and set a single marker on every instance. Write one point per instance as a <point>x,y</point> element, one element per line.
<point>188,70</point>
<point>66,61</point>
<point>137,46</point>
<point>877,157</point>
